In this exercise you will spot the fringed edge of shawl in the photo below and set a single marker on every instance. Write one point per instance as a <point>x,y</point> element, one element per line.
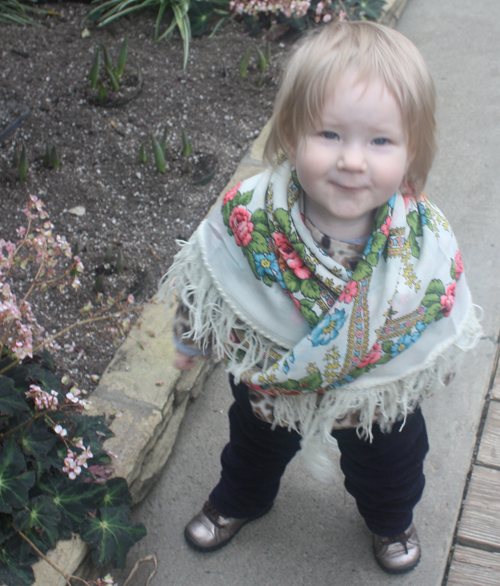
<point>212,318</point>
<point>387,402</point>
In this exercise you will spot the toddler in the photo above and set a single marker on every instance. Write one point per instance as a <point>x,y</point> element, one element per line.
<point>332,288</point>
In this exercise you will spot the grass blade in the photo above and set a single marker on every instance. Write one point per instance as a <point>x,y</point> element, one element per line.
<point>262,60</point>
<point>163,142</point>
<point>112,78</point>
<point>186,145</point>
<point>159,155</point>
<point>142,154</point>
<point>107,58</point>
<point>94,72</point>
<point>244,63</point>
<point>123,56</point>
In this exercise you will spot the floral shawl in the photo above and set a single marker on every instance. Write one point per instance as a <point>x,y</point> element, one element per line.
<point>293,323</point>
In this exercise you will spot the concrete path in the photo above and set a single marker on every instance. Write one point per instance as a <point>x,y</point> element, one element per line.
<point>314,535</point>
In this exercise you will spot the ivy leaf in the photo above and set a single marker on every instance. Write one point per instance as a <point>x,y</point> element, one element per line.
<point>434,313</point>
<point>268,280</point>
<point>251,261</point>
<point>300,249</point>
<point>415,223</point>
<point>36,441</point>
<point>258,244</point>
<point>111,535</point>
<point>14,486</point>
<point>260,217</point>
<point>381,216</point>
<point>362,271</point>
<point>385,358</point>
<point>372,258</point>
<point>306,311</point>
<point>72,498</point>
<point>435,286</point>
<point>41,514</point>
<point>379,241</point>
<point>43,377</point>
<point>6,530</point>
<point>387,346</point>
<point>116,493</point>
<point>415,248</point>
<point>11,400</point>
<point>283,220</point>
<point>431,299</point>
<point>310,288</point>
<point>262,229</point>
<point>242,199</point>
<point>12,573</point>
<point>292,282</point>
<point>22,551</point>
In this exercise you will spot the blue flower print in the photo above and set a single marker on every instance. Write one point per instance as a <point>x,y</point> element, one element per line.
<point>328,328</point>
<point>421,212</point>
<point>407,340</point>
<point>267,264</point>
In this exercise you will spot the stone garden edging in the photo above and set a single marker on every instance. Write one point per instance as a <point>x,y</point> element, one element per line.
<point>149,395</point>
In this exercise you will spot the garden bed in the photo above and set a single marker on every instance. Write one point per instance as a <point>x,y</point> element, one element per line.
<point>102,198</point>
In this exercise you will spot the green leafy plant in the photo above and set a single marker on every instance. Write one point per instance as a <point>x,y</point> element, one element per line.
<point>263,61</point>
<point>14,12</point>
<point>186,144</point>
<point>159,154</point>
<point>188,17</point>
<point>112,74</point>
<point>53,468</point>
<point>51,158</point>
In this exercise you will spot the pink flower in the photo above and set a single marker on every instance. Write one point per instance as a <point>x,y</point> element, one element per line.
<point>372,356</point>
<point>386,225</point>
<point>459,267</point>
<point>448,299</point>
<point>240,224</point>
<point>291,256</point>
<point>350,291</point>
<point>231,193</point>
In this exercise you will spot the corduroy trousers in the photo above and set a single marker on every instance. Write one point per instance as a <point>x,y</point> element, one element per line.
<point>384,476</point>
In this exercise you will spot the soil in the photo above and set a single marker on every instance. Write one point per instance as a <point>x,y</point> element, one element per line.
<point>127,205</point>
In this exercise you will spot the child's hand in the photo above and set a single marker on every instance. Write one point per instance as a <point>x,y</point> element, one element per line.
<point>185,362</point>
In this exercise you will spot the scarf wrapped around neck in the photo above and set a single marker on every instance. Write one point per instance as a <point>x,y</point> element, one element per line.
<point>293,323</point>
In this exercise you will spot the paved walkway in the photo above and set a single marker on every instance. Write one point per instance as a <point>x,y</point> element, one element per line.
<point>314,534</point>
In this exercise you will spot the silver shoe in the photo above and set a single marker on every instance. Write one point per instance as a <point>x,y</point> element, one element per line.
<point>397,555</point>
<point>209,530</point>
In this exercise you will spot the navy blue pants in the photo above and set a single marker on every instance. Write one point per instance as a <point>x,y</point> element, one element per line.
<point>385,476</point>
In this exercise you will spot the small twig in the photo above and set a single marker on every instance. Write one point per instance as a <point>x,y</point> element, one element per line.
<point>148,558</point>
<point>155,255</point>
<point>35,548</point>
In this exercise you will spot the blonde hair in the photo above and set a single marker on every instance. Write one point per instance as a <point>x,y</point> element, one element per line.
<point>372,50</point>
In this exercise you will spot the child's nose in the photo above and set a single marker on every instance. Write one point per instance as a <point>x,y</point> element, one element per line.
<point>352,159</point>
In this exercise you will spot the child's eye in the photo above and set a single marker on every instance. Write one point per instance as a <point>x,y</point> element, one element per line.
<point>380,141</point>
<point>330,135</point>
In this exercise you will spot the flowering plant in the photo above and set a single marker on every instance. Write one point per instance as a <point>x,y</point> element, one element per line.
<point>53,469</point>
<point>298,13</point>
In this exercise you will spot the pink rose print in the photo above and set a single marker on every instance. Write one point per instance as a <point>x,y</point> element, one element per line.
<point>350,291</point>
<point>386,225</point>
<point>448,299</point>
<point>240,224</point>
<point>231,193</point>
<point>372,356</point>
<point>291,256</point>
<point>459,267</point>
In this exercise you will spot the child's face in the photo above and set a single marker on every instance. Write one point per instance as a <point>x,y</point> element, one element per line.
<point>356,158</point>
